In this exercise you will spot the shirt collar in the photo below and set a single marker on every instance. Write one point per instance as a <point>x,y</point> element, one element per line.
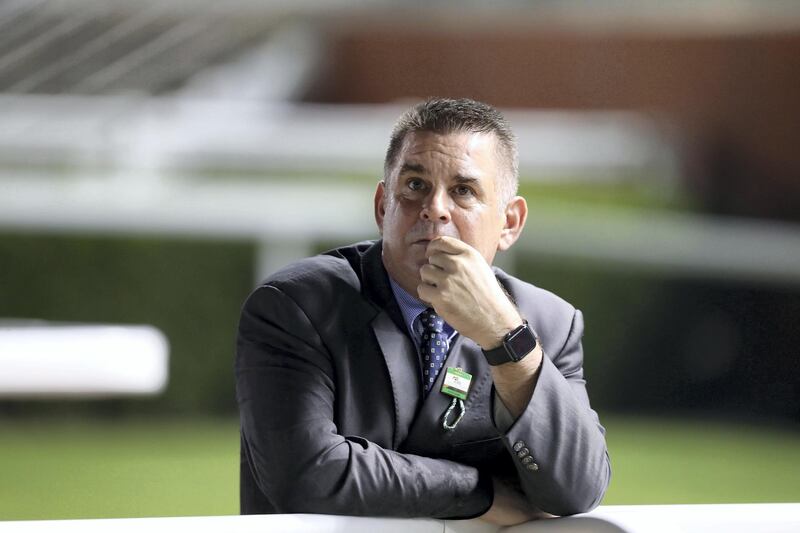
<point>411,308</point>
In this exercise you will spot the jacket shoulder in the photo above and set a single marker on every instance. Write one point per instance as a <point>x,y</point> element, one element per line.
<point>325,278</point>
<point>550,315</point>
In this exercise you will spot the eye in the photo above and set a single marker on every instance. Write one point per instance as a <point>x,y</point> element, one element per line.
<point>463,190</point>
<point>415,184</point>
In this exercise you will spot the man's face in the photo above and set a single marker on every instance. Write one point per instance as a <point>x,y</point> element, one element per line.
<point>440,185</point>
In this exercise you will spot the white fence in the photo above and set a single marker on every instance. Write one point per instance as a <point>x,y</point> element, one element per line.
<point>746,518</point>
<point>130,165</point>
<point>287,218</point>
<point>45,359</point>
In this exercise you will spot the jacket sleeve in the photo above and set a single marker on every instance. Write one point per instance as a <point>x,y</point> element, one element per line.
<point>286,389</point>
<point>557,444</point>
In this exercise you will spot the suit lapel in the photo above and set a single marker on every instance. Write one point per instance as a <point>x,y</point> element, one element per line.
<point>402,361</point>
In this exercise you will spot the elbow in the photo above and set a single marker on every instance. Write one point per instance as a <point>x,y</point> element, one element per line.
<point>285,490</point>
<point>318,483</point>
<point>583,496</point>
<point>302,494</point>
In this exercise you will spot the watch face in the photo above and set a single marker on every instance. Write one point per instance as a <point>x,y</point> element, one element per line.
<point>521,343</point>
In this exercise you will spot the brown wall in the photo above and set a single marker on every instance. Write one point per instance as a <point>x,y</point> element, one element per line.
<point>736,96</point>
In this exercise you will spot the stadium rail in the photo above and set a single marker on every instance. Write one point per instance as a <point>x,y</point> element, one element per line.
<point>726,518</point>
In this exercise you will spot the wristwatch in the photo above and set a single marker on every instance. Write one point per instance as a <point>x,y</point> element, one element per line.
<point>518,343</point>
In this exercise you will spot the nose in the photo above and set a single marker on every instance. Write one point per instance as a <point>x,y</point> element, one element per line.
<point>436,207</point>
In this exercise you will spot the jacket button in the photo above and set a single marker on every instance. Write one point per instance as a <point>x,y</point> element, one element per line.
<point>523,452</point>
<point>533,467</point>
<point>518,445</point>
<point>527,460</point>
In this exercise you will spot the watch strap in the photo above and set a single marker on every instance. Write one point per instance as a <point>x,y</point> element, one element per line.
<point>515,346</point>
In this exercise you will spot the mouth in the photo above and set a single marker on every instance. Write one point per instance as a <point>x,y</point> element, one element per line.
<point>424,241</point>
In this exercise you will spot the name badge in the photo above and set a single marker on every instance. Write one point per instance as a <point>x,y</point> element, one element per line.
<point>456,383</point>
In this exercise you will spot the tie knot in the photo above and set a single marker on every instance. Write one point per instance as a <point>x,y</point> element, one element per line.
<point>431,322</point>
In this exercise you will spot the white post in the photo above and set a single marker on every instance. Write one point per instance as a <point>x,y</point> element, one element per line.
<point>274,254</point>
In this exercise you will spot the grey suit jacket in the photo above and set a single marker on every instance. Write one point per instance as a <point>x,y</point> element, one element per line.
<point>333,418</point>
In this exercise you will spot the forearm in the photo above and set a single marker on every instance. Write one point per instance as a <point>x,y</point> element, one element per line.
<point>556,441</point>
<point>558,447</point>
<point>515,382</point>
<point>313,470</point>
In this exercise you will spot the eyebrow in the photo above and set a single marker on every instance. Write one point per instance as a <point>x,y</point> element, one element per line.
<point>467,180</point>
<point>420,169</point>
<point>412,167</point>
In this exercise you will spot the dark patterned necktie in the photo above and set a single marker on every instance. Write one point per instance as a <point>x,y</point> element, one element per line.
<point>433,347</point>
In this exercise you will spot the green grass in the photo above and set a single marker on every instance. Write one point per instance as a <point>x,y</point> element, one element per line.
<point>674,461</point>
<point>125,469</point>
<point>94,469</point>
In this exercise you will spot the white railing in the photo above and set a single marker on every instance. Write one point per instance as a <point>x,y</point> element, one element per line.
<point>744,518</point>
<point>157,133</point>
<point>45,359</point>
<point>286,218</point>
<point>132,163</point>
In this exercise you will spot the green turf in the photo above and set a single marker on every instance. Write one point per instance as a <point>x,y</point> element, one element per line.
<point>125,469</point>
<point>129,469</point>
<point>661,462</point>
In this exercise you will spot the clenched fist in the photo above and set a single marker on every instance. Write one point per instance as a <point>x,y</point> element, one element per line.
<point>459,284</point>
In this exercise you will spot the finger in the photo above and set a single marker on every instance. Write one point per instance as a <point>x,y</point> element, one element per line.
<point>432,275</point>
<point>446,262</point>
<point>446,245</point>
<point>426,293</point>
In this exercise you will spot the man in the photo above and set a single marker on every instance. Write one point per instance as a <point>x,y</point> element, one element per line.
<point>405,376</point>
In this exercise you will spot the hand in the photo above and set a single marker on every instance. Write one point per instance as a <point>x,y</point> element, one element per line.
<point>510,507</point>
<point>460,285</point>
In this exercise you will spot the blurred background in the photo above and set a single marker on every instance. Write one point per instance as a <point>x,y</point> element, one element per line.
<point>158,158</point>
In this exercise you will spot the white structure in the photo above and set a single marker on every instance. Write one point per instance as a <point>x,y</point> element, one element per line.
<point>45,360</point>
<point>746,518</point>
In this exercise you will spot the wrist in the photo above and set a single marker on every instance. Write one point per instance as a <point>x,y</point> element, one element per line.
<point>494,338</point>
<point>515,346</point>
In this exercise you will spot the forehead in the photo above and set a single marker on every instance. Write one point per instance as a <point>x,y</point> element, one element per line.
<point>477,151</point>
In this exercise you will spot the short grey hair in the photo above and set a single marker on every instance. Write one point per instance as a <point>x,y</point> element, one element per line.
<point>445,115</point>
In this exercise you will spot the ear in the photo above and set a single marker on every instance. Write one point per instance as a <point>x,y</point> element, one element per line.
<point>516,213</point>
<point>380,208</point>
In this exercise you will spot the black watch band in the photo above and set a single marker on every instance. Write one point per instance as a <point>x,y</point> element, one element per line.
<point>516,345</point>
